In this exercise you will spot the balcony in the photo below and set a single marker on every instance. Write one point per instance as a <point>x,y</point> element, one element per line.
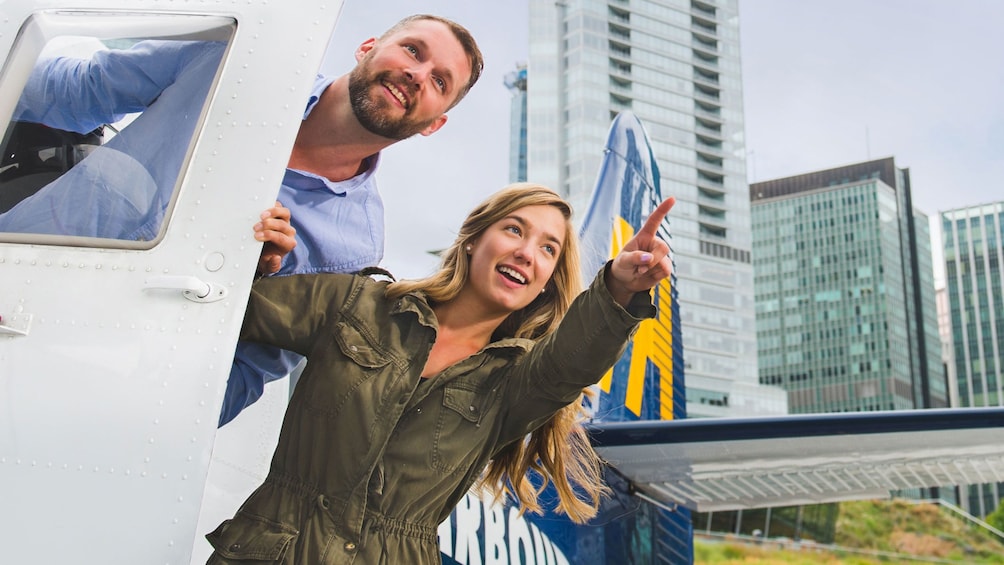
<point>714,116</point>
<point>707,96</point>
<point>619,15</point>
<point>711,197</point>
<point>710,180</point>
<point>620,87</point>
<point>620,102</point>
<point>703,167</point>
<point>619,50</point>
<point>620,70</point>
<point>707,59</point>
<point>712,211</point>
<point>705,78</point>
<point>703,35</point>
<point>619,32</point>
<point>712,185</point>
<point>710,146</point>
<point>703,10</point>
<point>711,130</point>
<point>713,225</point>
<point>709,166</point>
<point>708,47</point>
<point>710,232</point>
<point>703,25</point>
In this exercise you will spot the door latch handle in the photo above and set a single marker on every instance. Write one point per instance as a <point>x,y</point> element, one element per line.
<point>191,287</point>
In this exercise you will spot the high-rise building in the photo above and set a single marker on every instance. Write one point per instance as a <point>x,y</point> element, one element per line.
<point>675,65</point>
<point>973,249</point>
<point>846,317</point>
<point>515,81</point>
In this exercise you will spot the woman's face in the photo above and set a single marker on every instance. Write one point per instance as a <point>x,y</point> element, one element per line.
<point>516,256</point>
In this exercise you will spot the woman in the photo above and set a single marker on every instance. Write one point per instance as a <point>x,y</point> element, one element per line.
<point>413,389</point>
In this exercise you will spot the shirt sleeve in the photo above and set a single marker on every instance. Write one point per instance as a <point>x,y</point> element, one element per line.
<point>82,94</point>
<point>254,365</point>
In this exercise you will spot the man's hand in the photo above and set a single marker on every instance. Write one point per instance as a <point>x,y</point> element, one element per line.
<point>278,235</point>
<point>644,261</point>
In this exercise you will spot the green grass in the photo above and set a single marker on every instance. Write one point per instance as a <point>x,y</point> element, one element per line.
<point>926,531</point>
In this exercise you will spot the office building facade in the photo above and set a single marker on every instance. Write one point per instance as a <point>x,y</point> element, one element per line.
<point>846,316</point>
<point>674,64</point>
<point>973,251</point>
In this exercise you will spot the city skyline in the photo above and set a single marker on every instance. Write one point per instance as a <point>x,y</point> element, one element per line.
<point>825,84</point>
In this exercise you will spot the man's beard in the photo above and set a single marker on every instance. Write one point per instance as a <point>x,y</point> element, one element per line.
<point>372,112</point>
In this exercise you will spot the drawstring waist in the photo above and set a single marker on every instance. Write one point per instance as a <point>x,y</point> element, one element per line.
<point>373,523</point>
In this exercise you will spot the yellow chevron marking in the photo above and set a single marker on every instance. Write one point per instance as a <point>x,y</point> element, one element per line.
<point>653,340</point>
<point>664,347</point>
<point>621,233</point>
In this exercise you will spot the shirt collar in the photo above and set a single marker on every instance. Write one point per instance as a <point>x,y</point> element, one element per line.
<point>320,85</point>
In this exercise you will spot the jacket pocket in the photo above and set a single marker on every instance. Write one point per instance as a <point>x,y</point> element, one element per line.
<point>465,402</point>
<point>253,539</point>
<point>457,430</point>
<point>355,346</point>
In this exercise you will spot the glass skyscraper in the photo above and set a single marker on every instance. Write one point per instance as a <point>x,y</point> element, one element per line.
<point>846,317</point>
<point>675,64</point>
<point>515,81</point>
<point>974,254</point>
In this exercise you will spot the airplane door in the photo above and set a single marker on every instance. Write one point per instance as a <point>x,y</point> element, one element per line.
<point>115,342</point>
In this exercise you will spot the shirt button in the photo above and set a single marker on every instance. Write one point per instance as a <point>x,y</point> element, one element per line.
<point>353,348</point>
<point>349,546</point>
<point>235,547</point>
<point>472,409</point>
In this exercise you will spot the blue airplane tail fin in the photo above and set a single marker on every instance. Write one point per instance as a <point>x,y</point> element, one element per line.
<point>647,382</point>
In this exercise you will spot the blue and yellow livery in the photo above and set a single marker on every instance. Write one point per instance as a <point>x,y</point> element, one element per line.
<point>647,383</point>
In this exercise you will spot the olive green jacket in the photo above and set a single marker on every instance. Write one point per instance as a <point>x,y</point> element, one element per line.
<point>372,457</point>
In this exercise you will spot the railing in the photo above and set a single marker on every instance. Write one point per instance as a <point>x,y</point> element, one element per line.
<point>962,514</point>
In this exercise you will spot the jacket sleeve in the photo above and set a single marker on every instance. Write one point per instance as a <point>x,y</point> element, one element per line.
<point>587,343</point>
<point>290,312</point>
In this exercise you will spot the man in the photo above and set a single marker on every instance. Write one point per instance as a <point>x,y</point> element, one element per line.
<point>403,84</point>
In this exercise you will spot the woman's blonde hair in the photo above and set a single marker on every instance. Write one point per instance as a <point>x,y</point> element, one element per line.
<point>559,451</point>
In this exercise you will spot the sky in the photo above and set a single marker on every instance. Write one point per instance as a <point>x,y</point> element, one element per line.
<point>825,83</point>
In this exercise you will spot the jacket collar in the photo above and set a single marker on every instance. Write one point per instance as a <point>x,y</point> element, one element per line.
<point>417,302</point>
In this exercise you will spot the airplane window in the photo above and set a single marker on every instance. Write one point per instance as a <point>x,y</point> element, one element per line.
<point>97,141</point>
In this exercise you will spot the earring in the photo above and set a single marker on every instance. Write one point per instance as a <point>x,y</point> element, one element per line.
<point>542,290</point>
<point>468,248</point>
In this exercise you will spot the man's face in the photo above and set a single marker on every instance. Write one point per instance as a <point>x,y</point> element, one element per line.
<point>405,82</point>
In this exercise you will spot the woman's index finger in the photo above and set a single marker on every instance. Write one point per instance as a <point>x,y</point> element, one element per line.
<point>657,216</point>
